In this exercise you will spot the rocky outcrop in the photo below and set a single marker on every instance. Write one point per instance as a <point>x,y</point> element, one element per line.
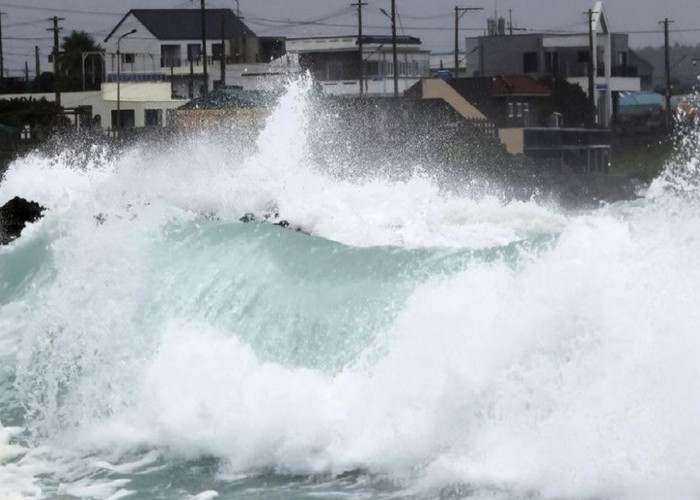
<point>14,215</point>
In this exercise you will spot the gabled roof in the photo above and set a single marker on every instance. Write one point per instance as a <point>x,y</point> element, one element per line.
<point>186,24</point>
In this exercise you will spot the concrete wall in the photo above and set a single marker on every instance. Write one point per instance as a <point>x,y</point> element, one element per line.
<point>513,139</point>
<point>104,101</point>
<point>503,55</point>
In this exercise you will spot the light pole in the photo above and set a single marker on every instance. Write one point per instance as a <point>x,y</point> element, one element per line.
<point>119,78</point>
<point>459,12</point>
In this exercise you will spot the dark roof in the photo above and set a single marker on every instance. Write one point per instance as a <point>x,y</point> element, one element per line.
<point>386,39</point>
<point>521,85</point>
<point>232,97</point>
<point>186,24</point>
<point>498,86</point>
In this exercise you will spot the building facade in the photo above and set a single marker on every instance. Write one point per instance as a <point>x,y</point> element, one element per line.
<point>167,45</point>
<point>616,68</point>
<point>335,62</point>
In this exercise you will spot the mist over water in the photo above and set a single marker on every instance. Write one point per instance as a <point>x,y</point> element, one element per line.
<point>425,339</point>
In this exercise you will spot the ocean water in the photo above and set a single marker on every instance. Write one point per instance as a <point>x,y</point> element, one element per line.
<point>422,341</point>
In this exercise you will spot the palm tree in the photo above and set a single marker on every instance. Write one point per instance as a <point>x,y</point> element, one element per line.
<point>71,62</point>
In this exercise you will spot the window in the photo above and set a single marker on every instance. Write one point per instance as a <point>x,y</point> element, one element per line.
<point>153,118</point>
<point>194,51</point>
<point>216,51</point>
<point>372,68</point>
<point>334,70</point>
<point>127,58</point>
<point>510,110</point>
<point>520,109</point>
<point>583,56</point>
<point>530,62</point>
<point>551,63</point>
<point>126,118</point>
<point>170,56</point>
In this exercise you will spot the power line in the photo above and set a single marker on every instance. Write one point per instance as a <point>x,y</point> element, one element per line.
<point>52,9</point>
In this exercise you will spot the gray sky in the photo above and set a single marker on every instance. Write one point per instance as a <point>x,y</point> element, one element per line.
<point>24,22</point>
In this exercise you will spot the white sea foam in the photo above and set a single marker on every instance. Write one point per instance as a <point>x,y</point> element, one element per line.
<point>569,373</point>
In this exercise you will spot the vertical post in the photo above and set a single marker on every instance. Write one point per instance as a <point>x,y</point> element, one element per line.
<point>119,79</point>
<point>119,95</point>
<point>26,72</point>
<point>456,42</point>
<point>360,43</point>
<point>222,61</point>
<point>2,58</point>
<point>510,22</point>
<point>37,68</point>
<point>459,12</point>
<point>191,93</point>
<point>204,48</point>
<point>56,74</point>
<point>393,48</point>
<point>591,71</point>
<point>667,71</point>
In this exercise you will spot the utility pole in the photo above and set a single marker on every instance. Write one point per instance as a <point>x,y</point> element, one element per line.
<point>667,68</point>
<point>591,70</point>
<point>360,43</point>
<point>222,61</point>
<point>2,58</point>
<point>26,72</point>
<point>393,48</point>
<point>37,62</point>
<point>510,22</point>
<point>204,48</point>
<point>56,75</point>
<point>459,12</point>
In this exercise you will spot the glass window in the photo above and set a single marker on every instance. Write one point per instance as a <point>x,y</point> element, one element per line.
<point>530,64</point>
<point>153,117</point>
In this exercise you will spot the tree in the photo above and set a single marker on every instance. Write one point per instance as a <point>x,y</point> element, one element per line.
<point>71,62</point>
<point>567,99</point>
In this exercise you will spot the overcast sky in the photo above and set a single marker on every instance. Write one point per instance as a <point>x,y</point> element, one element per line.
<point>25,22</point>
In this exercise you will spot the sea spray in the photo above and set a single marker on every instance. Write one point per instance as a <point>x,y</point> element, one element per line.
<point>420,341</point>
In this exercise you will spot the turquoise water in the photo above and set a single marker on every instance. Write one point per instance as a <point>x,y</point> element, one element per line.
<point>423,341</point>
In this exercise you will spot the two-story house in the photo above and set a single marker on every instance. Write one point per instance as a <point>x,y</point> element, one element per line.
<point>616,68</point>
<point>167,45</point>
<point>335,62</point>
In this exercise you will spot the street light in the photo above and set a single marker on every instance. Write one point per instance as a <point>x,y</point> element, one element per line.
<point>119,72</point>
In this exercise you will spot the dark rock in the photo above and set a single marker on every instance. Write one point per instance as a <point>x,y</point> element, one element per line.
<point>14,215</point>
<point>247,218</point>
<point>282,223</point>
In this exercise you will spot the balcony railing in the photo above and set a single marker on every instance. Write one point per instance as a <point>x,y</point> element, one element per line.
<point>578,70</point>
<point>176,62</point>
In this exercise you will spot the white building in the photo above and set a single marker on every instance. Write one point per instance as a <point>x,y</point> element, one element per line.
<point>167,45</point>
<point>616,68</point>
<point>334,62</point>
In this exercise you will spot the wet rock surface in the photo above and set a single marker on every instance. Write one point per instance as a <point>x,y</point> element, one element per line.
<point>15,215</point>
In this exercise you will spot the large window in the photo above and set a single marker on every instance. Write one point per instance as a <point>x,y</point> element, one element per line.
<point>153,117</point>
<point>170,56</point>
<point>530,62</point>
<point>194,51</point>
<point>127,118</point>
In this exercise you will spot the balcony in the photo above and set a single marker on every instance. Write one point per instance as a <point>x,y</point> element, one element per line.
<point>578,70</point>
